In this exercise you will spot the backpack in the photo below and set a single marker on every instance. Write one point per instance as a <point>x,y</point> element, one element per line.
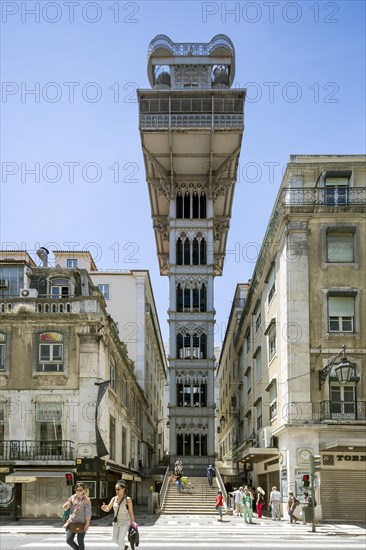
<point>296,501</point>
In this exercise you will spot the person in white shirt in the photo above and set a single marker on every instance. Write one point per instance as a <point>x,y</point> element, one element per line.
<point>237,495</point>
<point>275,502</point>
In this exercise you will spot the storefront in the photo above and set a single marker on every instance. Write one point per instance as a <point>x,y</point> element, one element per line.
<point>343,485</point>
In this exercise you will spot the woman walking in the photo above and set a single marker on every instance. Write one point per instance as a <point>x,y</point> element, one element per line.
<point>260,501</point>
<point>247,506</point>
<point>80,513</point>
<point>123,514</point>
<point>219,504</point>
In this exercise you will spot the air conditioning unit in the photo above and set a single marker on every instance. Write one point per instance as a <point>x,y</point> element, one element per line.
<point>265,437</point>
<point>28,293</point>
<point>4,283</point>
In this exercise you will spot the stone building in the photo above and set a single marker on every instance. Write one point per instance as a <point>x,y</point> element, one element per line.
<point>296,389</point>
<point>191,125</point>
<point>59,347</point>
<point>129,299</point>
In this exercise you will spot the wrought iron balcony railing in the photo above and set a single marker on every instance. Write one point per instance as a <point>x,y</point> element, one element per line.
<point>36,450</point>
<point>341,196</point>
<point>342,410</point>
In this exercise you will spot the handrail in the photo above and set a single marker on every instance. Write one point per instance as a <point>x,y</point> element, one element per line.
<point>164,487</point>
<point>221,485</point>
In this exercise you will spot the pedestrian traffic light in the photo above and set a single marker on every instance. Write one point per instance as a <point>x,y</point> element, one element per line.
<point>306,480</point>
<point>69,479</point>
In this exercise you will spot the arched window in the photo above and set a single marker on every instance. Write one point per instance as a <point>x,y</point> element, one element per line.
<point>183,346</point>
<point>199,346</point>
<point>199,250</point>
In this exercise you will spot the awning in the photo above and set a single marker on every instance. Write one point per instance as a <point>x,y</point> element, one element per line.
<point>257,454</point>
<point>30,476</point>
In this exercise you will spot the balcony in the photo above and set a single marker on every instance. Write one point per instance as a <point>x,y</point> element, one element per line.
<point>313,196</point>
<point>13,450</point>
<point>79,304</point>
<point>156,122</point>
<point>342,410</point>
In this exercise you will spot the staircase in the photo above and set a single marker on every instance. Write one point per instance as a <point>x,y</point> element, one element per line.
<point>199,500</point>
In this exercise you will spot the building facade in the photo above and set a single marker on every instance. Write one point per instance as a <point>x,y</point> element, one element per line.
<point>129,299</point>
<point>191,125</point>
<point>70,403</point>
<point>306,300</point>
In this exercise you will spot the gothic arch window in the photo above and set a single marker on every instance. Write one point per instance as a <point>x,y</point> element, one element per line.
<point>191,299</point>
<point>199,250</point>
<point>183,346</point>
<point>199,350</point>
<point>191,206</point>
<point>183,250</point>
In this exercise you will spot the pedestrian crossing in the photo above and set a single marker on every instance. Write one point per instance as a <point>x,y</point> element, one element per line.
<point>178,534</point>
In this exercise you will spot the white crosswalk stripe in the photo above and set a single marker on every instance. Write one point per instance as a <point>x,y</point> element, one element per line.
<point>181,535</point>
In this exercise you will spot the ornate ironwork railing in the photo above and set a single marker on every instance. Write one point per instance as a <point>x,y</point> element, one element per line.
<point>37,450</point>
<point>164,122</point>
<point>342,410</point>
<point>341,196</point>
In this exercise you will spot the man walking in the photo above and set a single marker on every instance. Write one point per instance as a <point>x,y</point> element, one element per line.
<point>210,474</point>
<point>275,502</point>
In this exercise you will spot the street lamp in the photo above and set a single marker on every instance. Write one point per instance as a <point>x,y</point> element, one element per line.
<point>345,371</point>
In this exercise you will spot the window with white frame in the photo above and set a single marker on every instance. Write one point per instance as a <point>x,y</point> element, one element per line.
<point>341,313</point>
<point>272,341</point>
<point>271,283</point>
<point>336,189</point>
<point>72,262</point>
<point>342,401</point>
<point>104,289</point>
<point>258,363</point>
<point>49,422</point>
<point>273,400</point>
<point>112,375</point>
<point>2,352</point>
<point>340,247</point>
<point>60,288</point>
<point>50,352</point>
<point>258,414</point>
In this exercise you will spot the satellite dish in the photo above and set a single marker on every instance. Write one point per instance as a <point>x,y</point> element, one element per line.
<point>42,253</point>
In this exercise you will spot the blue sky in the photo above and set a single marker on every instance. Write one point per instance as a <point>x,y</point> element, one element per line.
<point>302,62</point>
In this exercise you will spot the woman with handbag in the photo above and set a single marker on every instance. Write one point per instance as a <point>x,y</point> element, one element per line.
<point>123,514</point>
<point>79,519</point>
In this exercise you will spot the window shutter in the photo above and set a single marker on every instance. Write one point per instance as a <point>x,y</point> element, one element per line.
<point>341,306</point>
<point>337,181</point>
<point>340,247</point>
